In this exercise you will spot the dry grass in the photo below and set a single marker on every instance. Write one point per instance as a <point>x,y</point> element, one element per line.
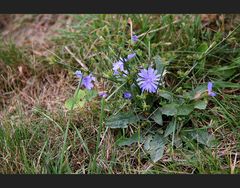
<point>33,84</point>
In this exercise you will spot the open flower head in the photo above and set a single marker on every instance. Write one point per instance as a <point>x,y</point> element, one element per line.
<point>148,80</point>
<point>87,81</point>
<point>210,92</point>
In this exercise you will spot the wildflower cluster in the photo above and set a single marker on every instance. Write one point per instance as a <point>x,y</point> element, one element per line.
<point>147,79</point>
<point>141,85</point>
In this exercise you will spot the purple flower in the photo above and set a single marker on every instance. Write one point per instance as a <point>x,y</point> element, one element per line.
<point>210,86</point>
<point>78,74</point>
<point>102,94</point>
<point>119,65</point>
<point>127,95</point>
<point>134,38</point>
<point>87,81</point>
<point>148,80</point>
<point>130,56</point>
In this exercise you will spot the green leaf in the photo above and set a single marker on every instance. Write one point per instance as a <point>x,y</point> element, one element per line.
<point>201,105</point>
<point>203,47</point>
<point>185,109</point>
<point>166,95</point>
<point>154,145</point>
<point>222,84</point>
<point>71,103</point>
<point>159,64</point>
<point>76,101</point>
<point>157,117</point>
<point>121,120</point>
<point>90,94</point>
<point>80,94</point>
<point>135,138</point>
<point>224,72</point>
<point>202,136</point>
<point>170,128</point>
<point>197,92</point>
<point>170,109</point>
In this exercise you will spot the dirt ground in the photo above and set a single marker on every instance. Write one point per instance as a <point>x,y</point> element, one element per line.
<point>33,30</point>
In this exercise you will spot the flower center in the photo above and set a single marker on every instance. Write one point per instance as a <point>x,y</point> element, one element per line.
<point>148,80</point>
